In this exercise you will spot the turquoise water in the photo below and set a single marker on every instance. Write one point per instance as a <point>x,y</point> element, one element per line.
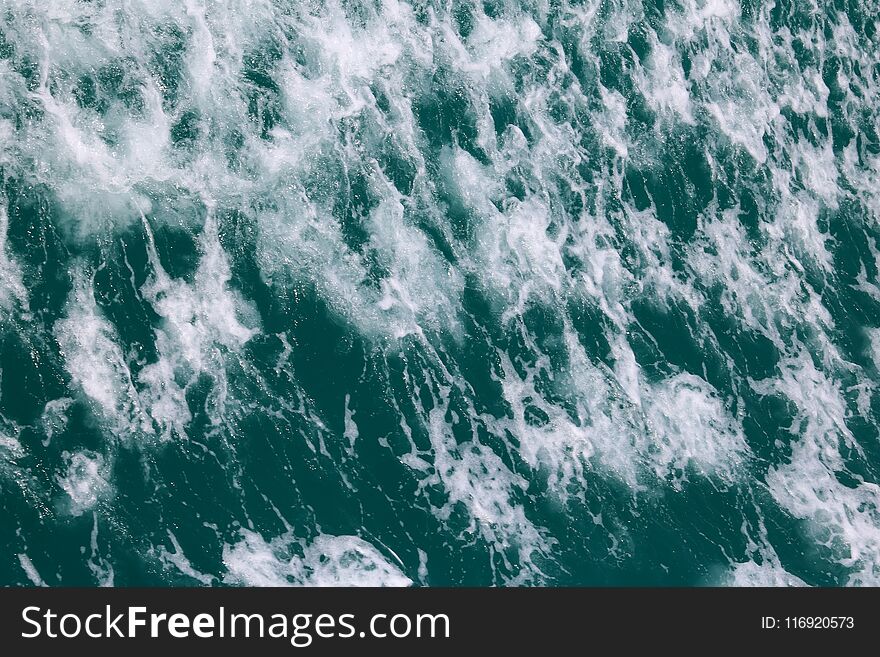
<point>514,292</point>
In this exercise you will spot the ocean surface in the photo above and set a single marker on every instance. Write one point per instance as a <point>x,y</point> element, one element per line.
<point>439,292</point>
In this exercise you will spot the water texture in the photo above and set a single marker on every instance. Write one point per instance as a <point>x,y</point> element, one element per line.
<point>439,292</point>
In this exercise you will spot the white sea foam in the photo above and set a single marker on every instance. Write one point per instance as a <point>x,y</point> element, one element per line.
<point>842,518</point>
<point>95,361</point>
<point>767,573</point>
<point>11,446</point>
<point>54,418</point>
<point>325,561</point>
<point>86,481</point>
<point>631,427</point>
<point>99,564</point>
<point>201,322</point>
<point>664,83</point>
<point>177,560</point>
<point>30,570</point>
<point>351,430</point>
<point>494,42</point>
<point>474,479</point>
<point>12,290</point>
<point>613,122</point>
<point>689,427</point>
<point>874,348</point>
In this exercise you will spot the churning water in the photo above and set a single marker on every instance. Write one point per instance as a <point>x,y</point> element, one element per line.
<point>511,292</point>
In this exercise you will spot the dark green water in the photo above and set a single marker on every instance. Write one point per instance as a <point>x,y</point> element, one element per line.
<point>515,292</point>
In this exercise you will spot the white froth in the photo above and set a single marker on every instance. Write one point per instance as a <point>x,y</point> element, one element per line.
<point>12,290</point>
<point>30,570</point>
<point>201,322</point>
<point>99,564</point>
<point>86,481</point>
<point>177,560</point>
<point>841,517</point>
<point>325,561</point>
<point>11,446</point>
<point>350,431</point>
<point>874,347</point>
<point>494,42</point>
<point>95,362</point>
<point>664,83</point>
<point>691,428</point>
<point>751,574</point>
<point>54,417</point>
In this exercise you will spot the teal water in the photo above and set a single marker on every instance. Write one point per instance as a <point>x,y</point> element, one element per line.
<point>459,292</point>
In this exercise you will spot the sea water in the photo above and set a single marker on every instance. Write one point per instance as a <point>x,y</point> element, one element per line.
<point>439,292</point>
